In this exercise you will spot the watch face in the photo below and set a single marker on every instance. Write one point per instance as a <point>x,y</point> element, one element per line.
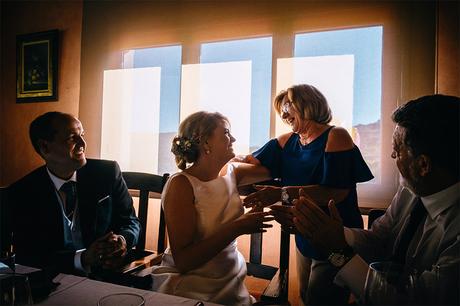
<point>284,195</point>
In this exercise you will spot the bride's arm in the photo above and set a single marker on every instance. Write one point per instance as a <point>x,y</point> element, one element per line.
<point>248,173</point>
<point>181,221</point>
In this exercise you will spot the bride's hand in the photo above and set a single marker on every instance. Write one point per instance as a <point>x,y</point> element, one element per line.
<point>253,222</point>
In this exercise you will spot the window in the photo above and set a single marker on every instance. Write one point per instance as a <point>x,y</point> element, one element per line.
<point>258,52</point>
<point>346,65</point>
<point>144,102</point>
<point>140,109</point>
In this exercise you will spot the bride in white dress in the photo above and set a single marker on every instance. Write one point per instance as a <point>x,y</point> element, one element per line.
<point>204,216</point>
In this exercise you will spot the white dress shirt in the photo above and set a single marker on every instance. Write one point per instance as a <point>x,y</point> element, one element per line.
<point>433,253</point>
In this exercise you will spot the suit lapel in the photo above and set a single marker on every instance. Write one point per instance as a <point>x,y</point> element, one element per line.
<point>86,206</point>
<point>49,211</point>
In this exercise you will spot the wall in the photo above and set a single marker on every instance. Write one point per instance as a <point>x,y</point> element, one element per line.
<point>448,48</point>
<point>17,156</point>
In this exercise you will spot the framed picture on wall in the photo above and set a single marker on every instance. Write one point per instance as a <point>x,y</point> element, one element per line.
<point>37,66</point>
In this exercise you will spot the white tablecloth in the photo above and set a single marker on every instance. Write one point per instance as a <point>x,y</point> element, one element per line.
<point>81,291</point>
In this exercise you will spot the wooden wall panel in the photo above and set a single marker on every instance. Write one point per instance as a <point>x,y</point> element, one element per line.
<point>448,48</point>
<point>17,156</point>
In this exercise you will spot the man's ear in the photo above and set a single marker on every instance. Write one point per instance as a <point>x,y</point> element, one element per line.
<point>43,147</point>
<point>424,164</point>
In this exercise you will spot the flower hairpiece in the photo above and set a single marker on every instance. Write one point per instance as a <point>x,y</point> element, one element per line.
<point>183,145</point>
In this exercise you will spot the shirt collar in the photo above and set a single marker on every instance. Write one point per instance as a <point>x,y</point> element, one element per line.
<point>58,182</point>
<point>437,202</point>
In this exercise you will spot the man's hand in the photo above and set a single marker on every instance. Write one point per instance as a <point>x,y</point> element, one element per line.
<point>323,231</point>
<point>91,257</point>
<point>113,252</point>
<point>107,251</point>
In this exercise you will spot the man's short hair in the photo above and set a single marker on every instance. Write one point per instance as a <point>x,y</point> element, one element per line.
<point>43,127</point>
<point>432,128</point>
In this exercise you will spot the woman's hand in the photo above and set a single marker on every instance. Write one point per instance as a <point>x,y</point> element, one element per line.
<point>265,196</point>
<point>248,159</point>
<point>284,215</point>
<point>253,222</point>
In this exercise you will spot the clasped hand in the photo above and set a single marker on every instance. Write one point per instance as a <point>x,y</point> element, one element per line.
<point>107,251</point>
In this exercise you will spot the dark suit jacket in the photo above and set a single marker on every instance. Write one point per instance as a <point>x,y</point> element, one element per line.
<point>37,221</point>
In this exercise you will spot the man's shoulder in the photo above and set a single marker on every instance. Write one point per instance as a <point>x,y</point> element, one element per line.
<point>32,178</point>
<point>99,163</point>
<point>99,169</point>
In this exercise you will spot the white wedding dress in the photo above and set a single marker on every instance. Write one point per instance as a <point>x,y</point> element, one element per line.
<point>221,279</point>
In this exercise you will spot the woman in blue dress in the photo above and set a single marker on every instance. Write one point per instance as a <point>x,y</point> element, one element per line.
<point>321,159</point>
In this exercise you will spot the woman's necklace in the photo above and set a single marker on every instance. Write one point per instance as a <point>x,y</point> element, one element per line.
<point>304,139</point>
<point>310,135</point>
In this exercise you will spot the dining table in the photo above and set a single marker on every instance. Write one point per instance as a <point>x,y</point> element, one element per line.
<point>75,290</point>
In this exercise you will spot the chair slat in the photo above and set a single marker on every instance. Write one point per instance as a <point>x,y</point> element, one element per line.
<point>146,183</point>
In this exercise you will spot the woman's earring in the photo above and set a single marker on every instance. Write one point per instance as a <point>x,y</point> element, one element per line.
<point>207,151</point>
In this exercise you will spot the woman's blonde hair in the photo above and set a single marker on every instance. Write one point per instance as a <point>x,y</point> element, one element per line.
<point>193,132</point>
<point>307,100</point>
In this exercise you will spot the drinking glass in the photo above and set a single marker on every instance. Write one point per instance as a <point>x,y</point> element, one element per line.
<point>7,261</point>
<point>388,284</point>
<point>443,288</point>
<point>15,289</point>
<point>122,299</point>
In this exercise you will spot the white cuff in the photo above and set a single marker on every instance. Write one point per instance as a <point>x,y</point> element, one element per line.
<point>78,264</point>
<point>349,236</point>
<point>353,275</point>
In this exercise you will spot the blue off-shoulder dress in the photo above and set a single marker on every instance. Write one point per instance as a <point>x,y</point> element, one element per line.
<point>301,165</point>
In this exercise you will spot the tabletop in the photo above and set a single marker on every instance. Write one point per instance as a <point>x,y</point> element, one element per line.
<point>82,291</point>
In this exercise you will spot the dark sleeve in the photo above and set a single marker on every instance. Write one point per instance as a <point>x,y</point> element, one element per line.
<point>270,157</point>
<point>37,229</point>
<point>124,218</point>
<point>344,169</point>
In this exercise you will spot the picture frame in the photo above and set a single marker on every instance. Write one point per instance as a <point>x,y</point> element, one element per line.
<point>37,66</point>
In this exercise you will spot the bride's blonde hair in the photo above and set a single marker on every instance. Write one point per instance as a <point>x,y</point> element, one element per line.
<point>193,132</point>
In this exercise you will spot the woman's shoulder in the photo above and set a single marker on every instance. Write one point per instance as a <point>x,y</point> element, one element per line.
<point>339,140</point>
<point>179,181</point>
<point>283,139</point>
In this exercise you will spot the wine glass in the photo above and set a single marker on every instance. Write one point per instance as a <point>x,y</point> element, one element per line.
<point>7,262</point>
<point>122,299</point>
<point>442,286</point>
<point>15,289</point>
<point>387,283</point>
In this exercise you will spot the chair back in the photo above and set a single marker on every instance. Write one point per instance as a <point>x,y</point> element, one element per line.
<point>145,183</point>
<point>277,290</point>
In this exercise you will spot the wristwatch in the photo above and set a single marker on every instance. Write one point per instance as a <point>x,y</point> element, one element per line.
<point>285,196</point>
<point>340,257</point>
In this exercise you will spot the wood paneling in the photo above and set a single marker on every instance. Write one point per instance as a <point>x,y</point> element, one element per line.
<point>17,156</point>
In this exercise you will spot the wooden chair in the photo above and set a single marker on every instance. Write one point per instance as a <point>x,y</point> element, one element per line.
<point>140,185</point>
<point>276,293</point>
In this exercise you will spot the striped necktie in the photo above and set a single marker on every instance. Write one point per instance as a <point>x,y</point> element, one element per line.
<point>70,190</point>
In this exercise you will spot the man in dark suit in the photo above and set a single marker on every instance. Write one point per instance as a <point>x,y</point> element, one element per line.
<point>72,214</point>
<point>420,231</point>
